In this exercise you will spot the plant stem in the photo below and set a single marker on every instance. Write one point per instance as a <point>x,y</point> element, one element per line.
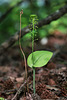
<point>33,36</point>
<point>34,80</point>
<point>22,50</point>
<point>32,56</point>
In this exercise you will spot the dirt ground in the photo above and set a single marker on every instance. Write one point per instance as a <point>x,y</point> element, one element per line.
<point>51,80</point>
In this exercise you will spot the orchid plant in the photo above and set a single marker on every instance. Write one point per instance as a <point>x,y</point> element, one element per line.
<point>37,58</point>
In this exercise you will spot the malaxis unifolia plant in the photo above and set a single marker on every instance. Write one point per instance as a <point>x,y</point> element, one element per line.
<point>37,58</point>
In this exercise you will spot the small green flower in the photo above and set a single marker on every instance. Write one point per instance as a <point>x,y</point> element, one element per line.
<point>33,18</point>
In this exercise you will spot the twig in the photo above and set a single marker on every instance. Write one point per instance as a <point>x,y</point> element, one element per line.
<point>8,11</point>
<point>19,91</point>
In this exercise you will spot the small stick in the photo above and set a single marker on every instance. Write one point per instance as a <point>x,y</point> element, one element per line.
<point>19,91</point>
<point>21,12</point>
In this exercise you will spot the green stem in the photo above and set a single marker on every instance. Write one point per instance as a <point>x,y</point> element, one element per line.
<point>33,36</point>
<point>33,57</point>
<point>34,80</point>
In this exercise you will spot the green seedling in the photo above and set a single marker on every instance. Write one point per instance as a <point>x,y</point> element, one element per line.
<point>37,58</point>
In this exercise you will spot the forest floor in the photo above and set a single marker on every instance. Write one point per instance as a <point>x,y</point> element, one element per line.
<point>51,80</point>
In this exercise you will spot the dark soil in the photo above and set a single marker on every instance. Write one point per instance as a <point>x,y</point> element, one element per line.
<point>51,80</point>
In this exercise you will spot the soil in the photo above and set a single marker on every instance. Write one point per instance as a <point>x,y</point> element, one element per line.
<point>51,80</point>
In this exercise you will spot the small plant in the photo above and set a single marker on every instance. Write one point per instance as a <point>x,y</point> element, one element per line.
<point>37,58</point>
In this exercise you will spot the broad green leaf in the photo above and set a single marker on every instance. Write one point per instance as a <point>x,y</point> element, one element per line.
<point>39,59</point>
